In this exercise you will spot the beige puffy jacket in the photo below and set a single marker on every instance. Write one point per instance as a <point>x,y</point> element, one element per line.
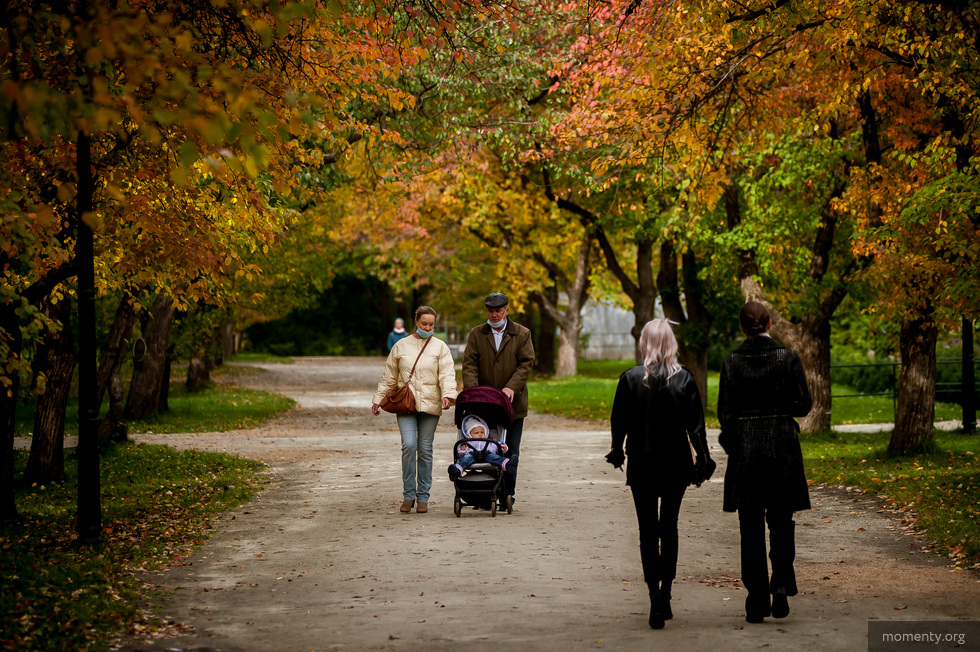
<point>435,375</point>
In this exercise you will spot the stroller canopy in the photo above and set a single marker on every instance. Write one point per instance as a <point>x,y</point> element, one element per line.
<point>484,401</point>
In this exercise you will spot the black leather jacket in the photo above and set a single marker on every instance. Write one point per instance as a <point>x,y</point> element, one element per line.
<point>657,422</point>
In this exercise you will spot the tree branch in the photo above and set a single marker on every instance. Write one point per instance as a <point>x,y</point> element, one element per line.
<point>591,224</point>
<point>756,13</point>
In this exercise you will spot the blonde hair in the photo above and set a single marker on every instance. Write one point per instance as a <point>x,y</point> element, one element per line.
<point>658,346</point>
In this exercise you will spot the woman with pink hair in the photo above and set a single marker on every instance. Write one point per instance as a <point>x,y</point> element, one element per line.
<point>657,414</point>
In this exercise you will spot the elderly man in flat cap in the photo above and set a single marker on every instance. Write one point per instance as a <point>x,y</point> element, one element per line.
<point>500,354</point>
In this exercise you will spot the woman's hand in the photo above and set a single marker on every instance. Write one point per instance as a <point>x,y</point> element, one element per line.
<point>376,409</point>
<point>446,403</point>
<point>616,457</point>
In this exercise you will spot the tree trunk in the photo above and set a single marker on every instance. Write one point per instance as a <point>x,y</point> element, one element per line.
<point>545,351</point>
<point>198,373</point>
<point>150,370</point>
<point>112,428</point>
<point>644,294</point>
<point>228,345</point>
<point>916,408</point>
<point>694,332</point>
<point>568,345</point>
<point>813,348</point>
<point>11,336</point>
<point>569,322</point>
<point>116,346</point>
<point>164,403</point>
<point>56,359</point>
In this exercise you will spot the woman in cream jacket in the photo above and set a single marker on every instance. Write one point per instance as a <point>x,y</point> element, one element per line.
<point>434,389</point>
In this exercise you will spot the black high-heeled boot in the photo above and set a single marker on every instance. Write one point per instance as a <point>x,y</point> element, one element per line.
<point>665,598</point>
<point>656,609</point>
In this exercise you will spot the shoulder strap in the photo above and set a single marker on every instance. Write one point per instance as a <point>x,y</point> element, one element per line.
<point>412,372</point>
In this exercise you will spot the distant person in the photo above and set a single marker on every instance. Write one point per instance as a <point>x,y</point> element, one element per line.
<point>500,354</point>
<point>762,389</point>
<point>397,333</point>
<point>434,387</point>
<point>657,413</point>
<point>476,428</point>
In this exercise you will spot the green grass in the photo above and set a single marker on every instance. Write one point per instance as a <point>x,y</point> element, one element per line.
<point>214,409</point>
<point>938,490</point>
<point>157,505</point>
<point>589,396</point>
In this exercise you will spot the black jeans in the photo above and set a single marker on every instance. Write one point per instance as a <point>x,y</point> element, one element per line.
<point>752,523</point>
<point>513,448</point>
<point>657,508</point>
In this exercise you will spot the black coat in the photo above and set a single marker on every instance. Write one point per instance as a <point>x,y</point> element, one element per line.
<point>762,389</point>
<point>657,422</point>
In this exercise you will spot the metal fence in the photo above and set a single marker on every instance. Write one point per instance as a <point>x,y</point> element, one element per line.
<point>942,388</point>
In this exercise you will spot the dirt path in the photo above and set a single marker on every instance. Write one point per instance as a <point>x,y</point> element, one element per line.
<point>324,561</point>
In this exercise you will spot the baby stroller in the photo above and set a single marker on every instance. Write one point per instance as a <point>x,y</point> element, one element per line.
<point>482,484</point>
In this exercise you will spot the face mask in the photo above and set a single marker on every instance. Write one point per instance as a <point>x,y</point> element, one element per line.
<point>498,324</point>
<point>424,334</point>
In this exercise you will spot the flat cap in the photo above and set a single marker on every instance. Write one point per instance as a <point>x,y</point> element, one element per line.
<point>495,300</point>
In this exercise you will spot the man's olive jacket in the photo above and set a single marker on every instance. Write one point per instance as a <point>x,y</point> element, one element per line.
<point>508,367</point>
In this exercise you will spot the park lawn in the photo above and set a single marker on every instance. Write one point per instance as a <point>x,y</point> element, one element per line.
<point>589,396</point>
<point>157,505</point>
<point>938,490</point>
<point>214,409</point>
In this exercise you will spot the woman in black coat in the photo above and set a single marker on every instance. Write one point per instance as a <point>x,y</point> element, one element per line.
<point>762,389</point>
<point>657,413</point>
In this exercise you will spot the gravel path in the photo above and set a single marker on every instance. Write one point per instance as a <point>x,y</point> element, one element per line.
<point>323,560</point>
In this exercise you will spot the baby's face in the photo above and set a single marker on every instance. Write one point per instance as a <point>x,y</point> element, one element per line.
<point>478,433</point>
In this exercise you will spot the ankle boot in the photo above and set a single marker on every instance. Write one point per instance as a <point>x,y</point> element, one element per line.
<point>665,597</point>
<point>656,609</point>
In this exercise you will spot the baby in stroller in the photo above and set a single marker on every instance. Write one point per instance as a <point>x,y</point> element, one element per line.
<point>481,463</point>
<point>488,451</point>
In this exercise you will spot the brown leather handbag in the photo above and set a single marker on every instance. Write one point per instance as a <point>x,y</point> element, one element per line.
<point>401,400</point>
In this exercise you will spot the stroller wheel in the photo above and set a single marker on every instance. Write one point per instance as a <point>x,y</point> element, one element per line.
<point>493,508</point>
<point>510,504</point>
<point>457,507</point>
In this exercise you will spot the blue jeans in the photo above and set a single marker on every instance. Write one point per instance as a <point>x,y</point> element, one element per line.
<point>513,448</point>
<point>418,430</point>
<point>491,458</point>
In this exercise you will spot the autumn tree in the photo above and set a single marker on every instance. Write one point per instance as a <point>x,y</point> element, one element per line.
<point>710,81</point>
<point>147,125</point>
